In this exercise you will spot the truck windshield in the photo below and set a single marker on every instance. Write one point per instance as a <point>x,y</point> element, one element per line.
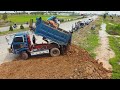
<point>18,39</point>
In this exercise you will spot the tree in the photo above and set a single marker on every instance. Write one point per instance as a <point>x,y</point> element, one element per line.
<point>4,17</point>
<point>21,27</point>
<point>104,16</point>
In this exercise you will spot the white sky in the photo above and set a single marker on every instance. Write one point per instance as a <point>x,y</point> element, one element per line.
<point>95,12</point>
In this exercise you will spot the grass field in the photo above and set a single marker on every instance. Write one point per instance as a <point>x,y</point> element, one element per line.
<point>115,20</point>
<point>113,28</point>
<point>115,45</point>
<point>113,25</point>
<point>20,19</point>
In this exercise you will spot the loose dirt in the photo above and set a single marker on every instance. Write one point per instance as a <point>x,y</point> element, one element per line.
<point>75,64</point>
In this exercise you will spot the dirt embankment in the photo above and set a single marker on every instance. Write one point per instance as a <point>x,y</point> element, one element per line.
<point>76,64</point>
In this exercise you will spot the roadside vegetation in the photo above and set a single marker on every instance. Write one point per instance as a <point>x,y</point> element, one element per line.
<point>87,38</point>
<point>21,19</point>
<point>113,28</point>
<point>13,31</point>
<point>113,25</point>
<point>115,62</point>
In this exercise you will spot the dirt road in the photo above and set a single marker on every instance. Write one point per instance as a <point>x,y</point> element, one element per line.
<point>104,53</point>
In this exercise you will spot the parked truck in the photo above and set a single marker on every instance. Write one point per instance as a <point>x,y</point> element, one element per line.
<point>58,41</point>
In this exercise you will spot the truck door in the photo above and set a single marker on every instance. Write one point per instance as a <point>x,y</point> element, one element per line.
<point>18,44</point>
<point>29,42</point>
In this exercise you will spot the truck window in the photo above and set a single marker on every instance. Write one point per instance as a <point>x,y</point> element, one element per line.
<point>18,39</point>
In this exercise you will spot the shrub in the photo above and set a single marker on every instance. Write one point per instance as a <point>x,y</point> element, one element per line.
<point>11,28</point>
<point>61,20</point>
<point>21,27</point>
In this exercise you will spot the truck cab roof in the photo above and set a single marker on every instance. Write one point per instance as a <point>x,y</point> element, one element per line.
<point>21,34</point>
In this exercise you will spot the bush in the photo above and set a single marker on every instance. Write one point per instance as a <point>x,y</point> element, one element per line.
<point>113,29</point>
<point>4,17</point>
<point>21,27</point>
<point>11,28</point>
<point>61,20</point>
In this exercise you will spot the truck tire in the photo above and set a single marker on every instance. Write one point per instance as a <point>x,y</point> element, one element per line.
<point>24,55</point>
<point>54,52</point>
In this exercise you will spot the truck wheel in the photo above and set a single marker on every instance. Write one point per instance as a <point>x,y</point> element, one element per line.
<point>54,52</point>
<point>24,55</point>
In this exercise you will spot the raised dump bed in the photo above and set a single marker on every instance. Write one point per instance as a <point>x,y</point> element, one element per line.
<point>59,35</point>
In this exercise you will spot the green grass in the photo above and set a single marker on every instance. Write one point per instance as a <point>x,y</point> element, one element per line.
<point>115,20</point>
<point>113,29</point>
<point>87,38</point>
<point>14,31</point>
<point>19,19</point>
<point>90,43</point>
<point>115,45</point>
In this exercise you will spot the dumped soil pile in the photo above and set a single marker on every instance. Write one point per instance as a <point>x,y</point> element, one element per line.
<point>76,64</point>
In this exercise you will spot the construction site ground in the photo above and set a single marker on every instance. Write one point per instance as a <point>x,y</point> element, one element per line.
<point>75,64</point>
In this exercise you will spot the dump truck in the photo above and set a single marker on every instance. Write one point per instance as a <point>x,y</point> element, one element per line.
<point>58,41</point>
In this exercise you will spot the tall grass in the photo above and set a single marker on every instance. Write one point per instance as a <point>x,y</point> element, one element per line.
<point>87,38</point>
<point>113,29</point>
<point>115,45</point>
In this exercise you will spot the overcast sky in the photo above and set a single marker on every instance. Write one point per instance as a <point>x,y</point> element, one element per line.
<point>97,12</point>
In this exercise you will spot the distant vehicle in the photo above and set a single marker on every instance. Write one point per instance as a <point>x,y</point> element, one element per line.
<point>15,25</point>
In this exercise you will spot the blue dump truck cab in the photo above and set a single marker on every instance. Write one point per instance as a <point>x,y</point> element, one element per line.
<point>20,43</point>
<point>60,38</point>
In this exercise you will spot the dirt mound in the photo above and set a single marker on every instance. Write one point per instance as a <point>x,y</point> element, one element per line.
<point>76,64</point>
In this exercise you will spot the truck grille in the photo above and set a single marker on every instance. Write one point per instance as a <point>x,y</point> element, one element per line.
<point>16,46</point>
